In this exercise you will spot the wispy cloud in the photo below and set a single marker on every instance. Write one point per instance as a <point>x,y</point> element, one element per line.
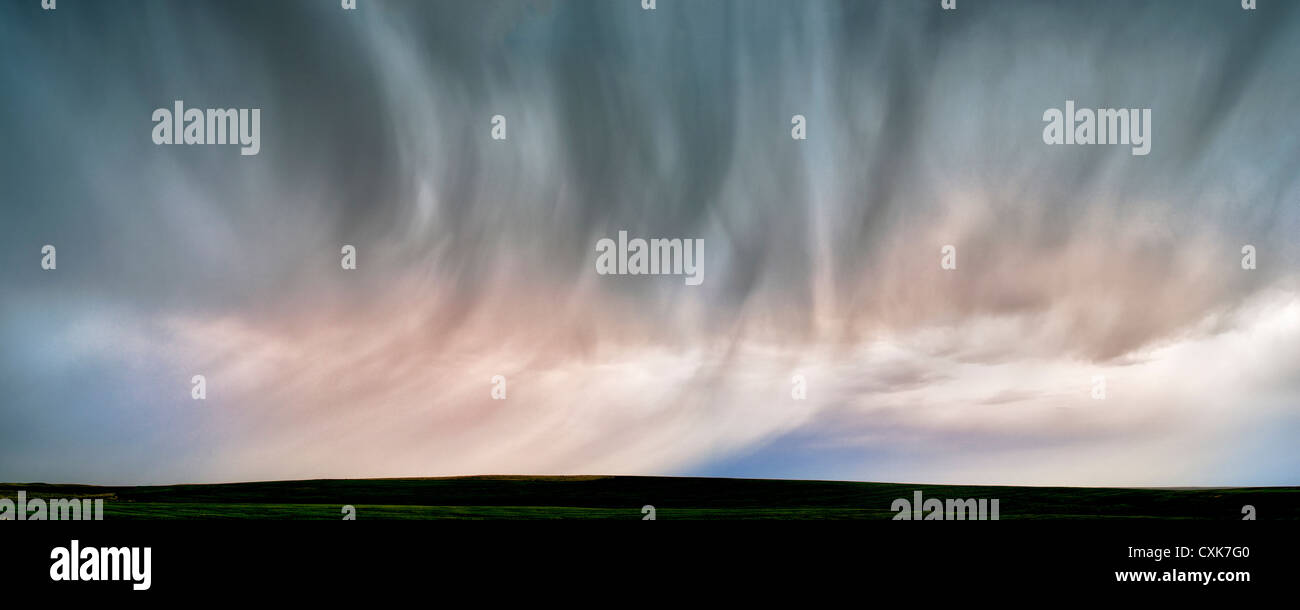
<point>476,256</point>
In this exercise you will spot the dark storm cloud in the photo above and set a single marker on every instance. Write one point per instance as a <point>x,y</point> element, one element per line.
<point>924,129</point>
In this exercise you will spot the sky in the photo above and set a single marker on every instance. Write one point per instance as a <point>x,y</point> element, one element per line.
<point>476,256</point>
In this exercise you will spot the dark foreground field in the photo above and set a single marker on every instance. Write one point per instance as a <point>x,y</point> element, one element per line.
<point>619,497</point>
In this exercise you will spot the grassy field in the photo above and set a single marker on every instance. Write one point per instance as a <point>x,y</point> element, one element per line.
<point>602,497</point>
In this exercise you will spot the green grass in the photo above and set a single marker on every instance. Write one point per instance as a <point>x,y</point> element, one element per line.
<point>599,497</point>
<point>331,512</point>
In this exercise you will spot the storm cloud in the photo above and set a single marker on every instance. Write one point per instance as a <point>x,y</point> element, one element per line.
<point>476,256</point>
